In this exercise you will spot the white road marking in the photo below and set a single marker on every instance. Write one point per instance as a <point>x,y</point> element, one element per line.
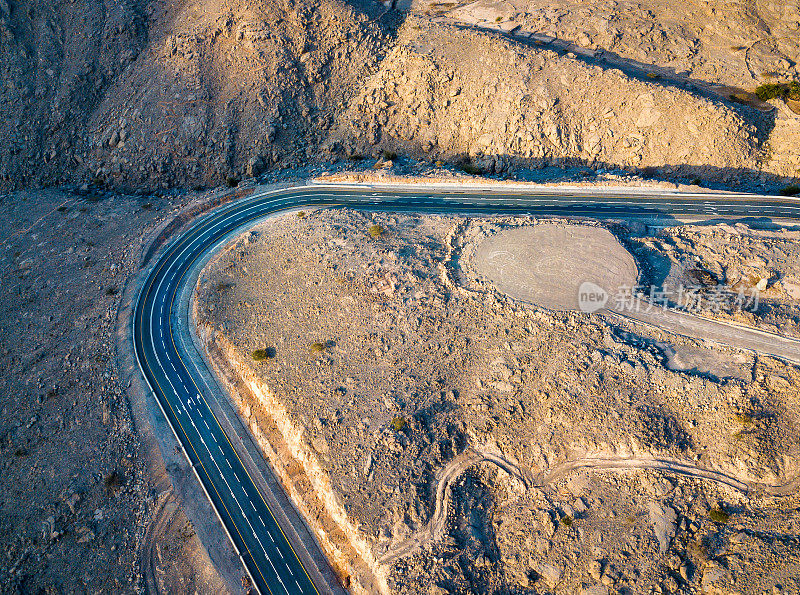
<point>238,504</point>
<point>276,573</point>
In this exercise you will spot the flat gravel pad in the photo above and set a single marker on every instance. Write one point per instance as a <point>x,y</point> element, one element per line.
<point>546,264</point>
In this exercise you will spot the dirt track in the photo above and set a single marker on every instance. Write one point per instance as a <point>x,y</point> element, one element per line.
<point>436,528</point>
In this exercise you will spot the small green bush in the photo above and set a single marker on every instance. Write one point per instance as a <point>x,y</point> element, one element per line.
<point>301,214</point>
<point>317,347</point>
<point>567,520</point>
<point>389,155</point>
<point>398,423</point>
<point>375,231</point>
<point>718,516</point>
<point>783,91</point>
<point>769,91</point>
<point>790,191</point>
<point>471,169</point>
<point>111,290</point>
<point>231,181</point>
<point>259,355</point>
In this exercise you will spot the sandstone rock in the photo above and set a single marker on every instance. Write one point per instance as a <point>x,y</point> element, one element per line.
<point>664,521</point>
<point>550,573</point>
<point>714,577</point>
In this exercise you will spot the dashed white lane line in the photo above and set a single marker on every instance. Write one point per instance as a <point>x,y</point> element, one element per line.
<point>276,572</point>
<point>174,274</point>
<point>238,504</point>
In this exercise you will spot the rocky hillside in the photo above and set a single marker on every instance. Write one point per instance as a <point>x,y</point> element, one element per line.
<point>140,93</point>
<point>144,94</point>
<point>517,103</point>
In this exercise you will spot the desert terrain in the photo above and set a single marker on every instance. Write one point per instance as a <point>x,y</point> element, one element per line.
<point>84,506</point>
<point>464,441</point>
<point>415,382</point>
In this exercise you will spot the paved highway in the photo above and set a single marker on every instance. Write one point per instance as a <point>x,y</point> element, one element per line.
<point>273,565</point>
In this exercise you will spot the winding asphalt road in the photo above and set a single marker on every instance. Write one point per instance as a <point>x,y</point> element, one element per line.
<point>273,565</point>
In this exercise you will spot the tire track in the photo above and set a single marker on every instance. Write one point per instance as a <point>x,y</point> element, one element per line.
<point>158,525</point>
<point>436,527</point>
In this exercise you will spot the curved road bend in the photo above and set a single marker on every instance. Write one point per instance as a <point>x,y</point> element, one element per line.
<point>267,555</point>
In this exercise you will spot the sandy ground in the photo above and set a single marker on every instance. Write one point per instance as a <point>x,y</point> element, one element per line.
<point>82,510</point>
<point>147,95</point>
<point>479,443</point>
<point>761,259</point>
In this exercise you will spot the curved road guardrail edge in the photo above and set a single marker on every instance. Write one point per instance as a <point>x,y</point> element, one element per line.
<point>272,564</point>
